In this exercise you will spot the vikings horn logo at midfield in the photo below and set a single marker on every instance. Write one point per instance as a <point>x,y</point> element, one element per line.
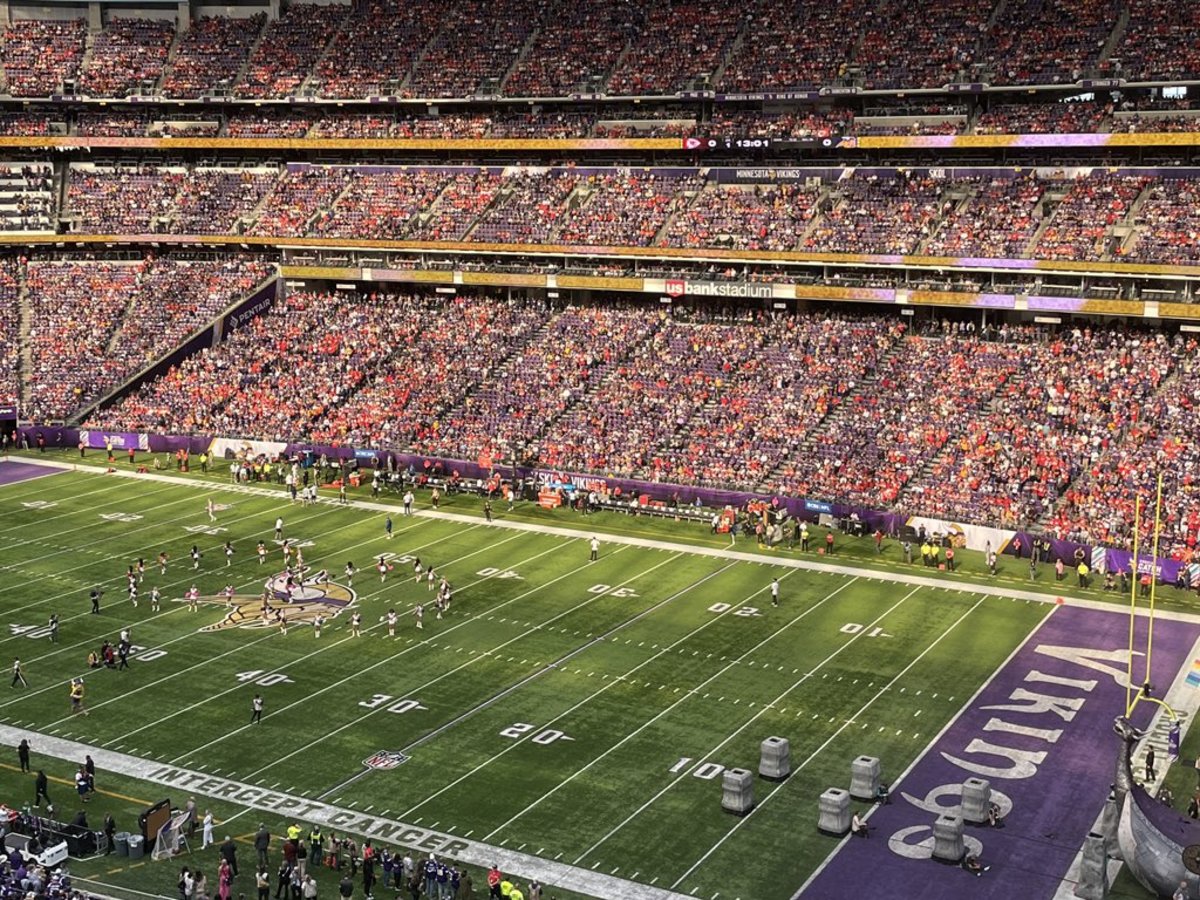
<point>315,596</point>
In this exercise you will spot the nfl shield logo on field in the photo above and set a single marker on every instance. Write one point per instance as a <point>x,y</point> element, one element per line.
<point>385,759</point>
<point>675,287</point>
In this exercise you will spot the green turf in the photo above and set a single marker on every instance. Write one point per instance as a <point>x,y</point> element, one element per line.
<point>572,712</point>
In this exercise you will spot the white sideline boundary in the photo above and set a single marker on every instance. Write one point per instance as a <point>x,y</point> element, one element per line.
<point>945,584</point>
<point>293,808</point>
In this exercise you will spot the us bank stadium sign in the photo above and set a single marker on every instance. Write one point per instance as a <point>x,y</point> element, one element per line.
<point>678,287</point>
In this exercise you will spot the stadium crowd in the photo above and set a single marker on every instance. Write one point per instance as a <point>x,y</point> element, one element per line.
<point>285,369</point>
<point>650,397</point>
<point>475,47</point>
<point>563,361</point>
<point>1081,224</point>
<point>40,54</point>
<point>127,54</point>
<point>1160,439</point>
<point>379,204</point>
<point>996,221</point>
<point>885,433</point>
<point>120,317</point>
<point>555,48</point>
<point>903,46</point>
<point>796,45</point>
<point>1035,42</point>
<point>1042,118</point>
<point>1168,224</point>
<point>287,49</point>
<point>293,121</point>
<point>1064,215</point>
<point>1161,41</point>
<point>1011,426</point>
<point>10,332</point>
<point>577,44</point>
<point>210,54</point>
<point>1011,462</point>
<point>767,217</point>
<point>800,371</point>
<point>376,49</point>
<point>627,210</point>
<point>874,214</point>
<point>21,880</point>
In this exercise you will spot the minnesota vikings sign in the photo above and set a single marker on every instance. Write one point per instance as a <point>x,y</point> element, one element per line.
<point>299,598</point>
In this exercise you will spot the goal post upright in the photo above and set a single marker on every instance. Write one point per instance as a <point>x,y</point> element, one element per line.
<point>1133,589</point>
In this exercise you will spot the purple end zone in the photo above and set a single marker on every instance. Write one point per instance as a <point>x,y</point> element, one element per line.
<point>11,472</point>
<point>1041,734</point>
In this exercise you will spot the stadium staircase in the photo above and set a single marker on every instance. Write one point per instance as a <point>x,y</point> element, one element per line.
<point>89,45</point>
<point>738,40</point>
<point>419,59</point>
<point>961,196</point>
<point>246,221</point>
<point>660,236</point>
<point>1134,234</point>
<point>1044,211</point>
<point>169,62</point>
<point>586,400</point>
<point>1083,477</point>
<point>823,203</point>
<point>997,12</point>
<point>518,59</point>
<point>245,66</point>
<point>601,85</point>
<point>350,185</point>
<point>1114,39</point>
<point>308,86</point>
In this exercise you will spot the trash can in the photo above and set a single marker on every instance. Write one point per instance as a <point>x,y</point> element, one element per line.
<point>135,846</point>
<point>122,839</point>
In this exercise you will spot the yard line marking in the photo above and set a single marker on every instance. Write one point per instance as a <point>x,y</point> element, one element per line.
<point>817,605</point>
<point>376,665</point>
<point>593,598</point>
<point>676,780</point>
<point>775,789</point>
<point>91,526</point>
<point>107,485</point>
<point>190,634</point>
<point>496,698</point>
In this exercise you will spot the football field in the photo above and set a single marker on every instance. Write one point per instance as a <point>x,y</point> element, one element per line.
<point>571,718</point>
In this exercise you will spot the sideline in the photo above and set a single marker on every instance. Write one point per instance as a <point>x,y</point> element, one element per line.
<point>963,587</point>
<point>391,831</point>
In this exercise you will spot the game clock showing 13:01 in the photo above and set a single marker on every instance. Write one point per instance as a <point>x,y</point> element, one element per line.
<point>726,144</point>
